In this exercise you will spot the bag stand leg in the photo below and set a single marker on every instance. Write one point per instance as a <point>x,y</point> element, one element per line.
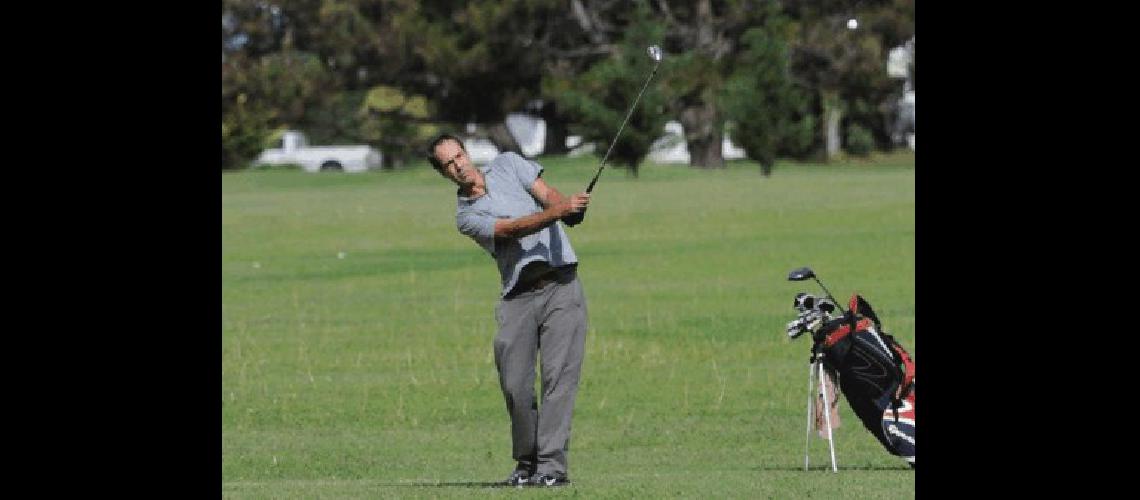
<point>827,416</point>
<point>811,401</point>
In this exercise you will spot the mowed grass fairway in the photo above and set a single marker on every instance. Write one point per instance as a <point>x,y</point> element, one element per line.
<point>357,326</point>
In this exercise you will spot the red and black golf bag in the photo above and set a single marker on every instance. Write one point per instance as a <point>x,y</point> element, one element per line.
<point>876,374</point>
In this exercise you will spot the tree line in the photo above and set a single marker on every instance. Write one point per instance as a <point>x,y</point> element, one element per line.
<point>782,78</point>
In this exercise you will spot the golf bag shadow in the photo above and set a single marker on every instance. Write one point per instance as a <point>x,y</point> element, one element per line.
<point>876,374</point>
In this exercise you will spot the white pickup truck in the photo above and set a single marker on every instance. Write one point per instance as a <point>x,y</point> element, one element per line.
<point>293,149</point>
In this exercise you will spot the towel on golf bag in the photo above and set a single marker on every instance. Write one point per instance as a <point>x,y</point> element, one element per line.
<point>820,419</point>
<point>876,375</point>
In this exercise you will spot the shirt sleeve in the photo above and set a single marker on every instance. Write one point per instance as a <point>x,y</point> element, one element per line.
<point>479,226</point>
<point>527,171</point>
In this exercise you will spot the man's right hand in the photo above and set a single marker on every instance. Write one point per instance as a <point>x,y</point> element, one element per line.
<point>572,208</point>
<point>578,202</point>
<point>576,209</point>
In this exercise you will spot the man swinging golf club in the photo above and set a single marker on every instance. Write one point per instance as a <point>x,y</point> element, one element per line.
<point>510,211</point>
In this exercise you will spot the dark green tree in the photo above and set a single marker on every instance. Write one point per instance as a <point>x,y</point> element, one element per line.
<point>845,68</point>
<point>276,90</point>
<point>270,79</point>
<point>484,59</point>
<point>702,39</point>
<point>319,65</point>
<point>770,113</point>
<point>599,99</point>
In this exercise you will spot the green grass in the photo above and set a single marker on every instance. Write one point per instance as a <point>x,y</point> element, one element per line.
<point>372,375</point>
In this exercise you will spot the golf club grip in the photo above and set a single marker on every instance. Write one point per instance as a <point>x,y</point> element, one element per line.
<point>574,219</point>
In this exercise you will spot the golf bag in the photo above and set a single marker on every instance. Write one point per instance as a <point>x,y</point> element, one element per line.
<point>876,374</point>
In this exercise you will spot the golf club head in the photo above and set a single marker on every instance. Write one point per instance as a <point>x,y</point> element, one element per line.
<point>803,273</point>
<point>804,302</point>
<point>655,53</point>
<point>807,302</point>
<point>813,313</point>
<point>825,306</point>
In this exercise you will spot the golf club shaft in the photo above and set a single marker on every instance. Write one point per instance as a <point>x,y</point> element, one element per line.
<point>828,292</point>
<point>590,188</point>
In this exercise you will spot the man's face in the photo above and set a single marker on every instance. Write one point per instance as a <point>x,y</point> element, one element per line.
<point>457,165</point>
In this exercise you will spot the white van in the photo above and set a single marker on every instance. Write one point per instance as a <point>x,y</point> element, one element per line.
<point>293,148</point>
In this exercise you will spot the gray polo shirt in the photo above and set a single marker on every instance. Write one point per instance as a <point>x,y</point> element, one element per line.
<point>508,178</point>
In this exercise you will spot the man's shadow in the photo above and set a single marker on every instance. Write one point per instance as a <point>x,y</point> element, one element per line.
<point>438,484</point>
<point>826,467</point>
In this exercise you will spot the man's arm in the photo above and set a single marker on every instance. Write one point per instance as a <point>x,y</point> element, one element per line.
<point>545,193</point>
<point>556,207</point>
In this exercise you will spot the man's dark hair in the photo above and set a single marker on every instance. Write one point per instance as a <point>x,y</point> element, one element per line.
<point>435,142</point>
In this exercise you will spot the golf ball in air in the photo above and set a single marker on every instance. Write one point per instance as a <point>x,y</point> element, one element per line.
<point>340,255</point>
<point>852,23</point>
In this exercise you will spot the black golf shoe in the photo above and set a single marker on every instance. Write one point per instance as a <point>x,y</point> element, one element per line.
<point>549,480</point>
<point>519,478</point>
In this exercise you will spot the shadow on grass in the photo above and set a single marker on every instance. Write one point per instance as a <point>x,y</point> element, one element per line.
<point>473,484</point>
<point>434,484</point>
<point>826,467</point>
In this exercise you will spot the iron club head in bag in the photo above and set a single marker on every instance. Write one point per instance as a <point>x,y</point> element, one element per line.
<point>813,312</point>
<point>808,302</point>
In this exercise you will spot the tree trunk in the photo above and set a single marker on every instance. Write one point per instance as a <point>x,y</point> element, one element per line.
<point>556,131</point>
<point>703,135</point>
<point>387,160</point>
<point>704,126</point>
<point>501,137</point>
<point>833,114</point>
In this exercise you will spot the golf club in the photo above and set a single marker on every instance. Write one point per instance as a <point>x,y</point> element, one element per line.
<point>654,53</point>
<point>804,273</point>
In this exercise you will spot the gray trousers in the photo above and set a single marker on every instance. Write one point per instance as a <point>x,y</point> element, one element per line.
<point>550,320</point>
